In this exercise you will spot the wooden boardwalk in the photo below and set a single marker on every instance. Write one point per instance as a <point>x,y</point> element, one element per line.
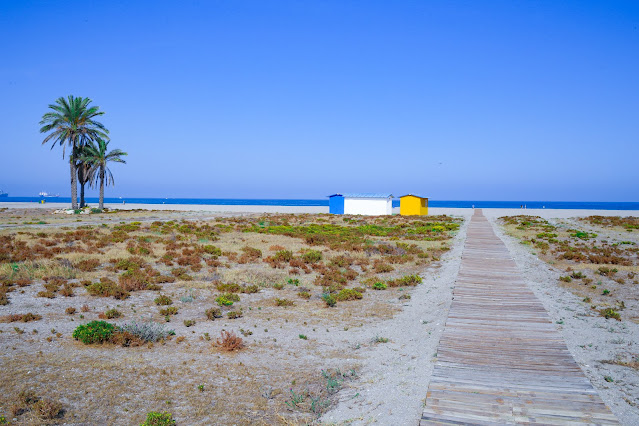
<point>500,359</point>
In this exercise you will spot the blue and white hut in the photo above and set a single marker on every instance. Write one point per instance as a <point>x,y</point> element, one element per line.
<point>370,204</point>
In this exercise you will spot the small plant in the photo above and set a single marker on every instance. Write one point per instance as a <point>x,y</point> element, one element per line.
<point>94,332</point>
<point>304,295</point>
<point>565,279</point>
<point>200,388</point>
<point>278,286</point>
<point>147,331</point>
<point>155,418</point>
<point>378,339</point>
<point>608,379</point>
<point>329,299</point>
<point>234,314</point>
<point>610,313</point>
<point>284,302</point>
<point>606,292</point>
<point>169,310</point>
<point>111,313</point>
<point>303,337</point>
<point>294,281</point>
<point>21,317</point>
<point>379,286</point>
<point>189,323</point>
<point>229,341</point>
<point>213,313</point>
<point>163,300</point>
<point>70,310</point>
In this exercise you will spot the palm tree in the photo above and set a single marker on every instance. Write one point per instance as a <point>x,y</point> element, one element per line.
<point>96,154</point>
<point>71,122</point>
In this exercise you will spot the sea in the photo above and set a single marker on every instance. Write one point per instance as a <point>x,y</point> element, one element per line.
<point>577,205</point>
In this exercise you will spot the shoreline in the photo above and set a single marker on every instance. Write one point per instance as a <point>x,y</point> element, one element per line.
<point>433,211</point>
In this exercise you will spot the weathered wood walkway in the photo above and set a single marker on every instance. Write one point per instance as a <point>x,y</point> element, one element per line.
<point>500,359</point>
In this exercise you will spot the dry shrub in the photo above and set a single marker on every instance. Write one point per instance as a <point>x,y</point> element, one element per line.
<point>379,266</point>
<point>276,247</point>
<point>88,265</point>
<point>21,317</point>
<point>126,339</point>
<point>229,341</point>
<point>47,409</point>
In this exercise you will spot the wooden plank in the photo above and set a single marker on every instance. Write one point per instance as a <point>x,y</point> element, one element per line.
<point>500,359</point>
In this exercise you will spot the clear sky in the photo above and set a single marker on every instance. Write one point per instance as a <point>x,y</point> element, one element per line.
<point>481,100</point>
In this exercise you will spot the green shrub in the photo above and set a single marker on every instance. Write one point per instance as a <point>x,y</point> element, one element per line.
<point>379,286</point>
<point>231,296</point>
<point>406,281</point>
<point>312,256</point>
<point>283,302</point>
<point>163,300</point>
<point>348,294</point>
<point>215,251</point>
<point>189,323</point>
<point>283,256</point>
<point>94,332</point>
<point>223,301</point>
<point>329,299</point>
<point>565,279</point>
<point>155,418</point>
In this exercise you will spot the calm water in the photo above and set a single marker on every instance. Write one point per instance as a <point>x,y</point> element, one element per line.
<point>588,205</point>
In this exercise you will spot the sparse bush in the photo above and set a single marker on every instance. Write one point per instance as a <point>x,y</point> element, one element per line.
<point>189,323</point>
<point>406,281</point>
<point>229,341</point>
<point>70,310</point>
<point>47,409</point>
<point>283,256</point>
<point>565,279</point>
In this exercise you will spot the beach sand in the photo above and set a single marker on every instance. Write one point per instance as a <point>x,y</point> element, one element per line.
<point>491,213</point>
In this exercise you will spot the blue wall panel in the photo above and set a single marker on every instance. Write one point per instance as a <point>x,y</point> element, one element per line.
<point>336,204</point>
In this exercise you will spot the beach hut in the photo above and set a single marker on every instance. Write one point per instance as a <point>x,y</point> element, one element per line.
<point>413,205</point>
<point>361,203</point>
<point>336,204</point>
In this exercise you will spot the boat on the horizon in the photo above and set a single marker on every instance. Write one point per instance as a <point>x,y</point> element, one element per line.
<point>3,194</point>
<point>45,194</point>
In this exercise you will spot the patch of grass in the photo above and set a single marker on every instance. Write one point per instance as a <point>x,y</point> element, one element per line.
<point>156,418</point>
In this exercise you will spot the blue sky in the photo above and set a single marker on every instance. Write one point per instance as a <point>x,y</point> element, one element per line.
<point>486,100</point>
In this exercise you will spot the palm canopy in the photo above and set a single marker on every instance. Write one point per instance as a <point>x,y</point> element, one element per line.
<point>96,154</point>
<point>72,122</point>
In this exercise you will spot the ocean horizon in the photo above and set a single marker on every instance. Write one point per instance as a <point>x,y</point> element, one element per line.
<point>570,205</point>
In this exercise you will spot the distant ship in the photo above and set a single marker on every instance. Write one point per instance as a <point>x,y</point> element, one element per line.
<point>3,194</point>
<point>44,194</point>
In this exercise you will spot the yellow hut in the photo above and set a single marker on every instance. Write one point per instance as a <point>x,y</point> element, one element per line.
<point>413,205</point>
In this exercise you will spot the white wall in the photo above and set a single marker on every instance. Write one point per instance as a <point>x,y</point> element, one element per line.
<point>368,206</point>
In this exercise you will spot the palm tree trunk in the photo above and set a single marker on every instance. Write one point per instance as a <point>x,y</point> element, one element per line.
<point>82,193</point>
<point>101,187</point>
<point>74,184</point>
